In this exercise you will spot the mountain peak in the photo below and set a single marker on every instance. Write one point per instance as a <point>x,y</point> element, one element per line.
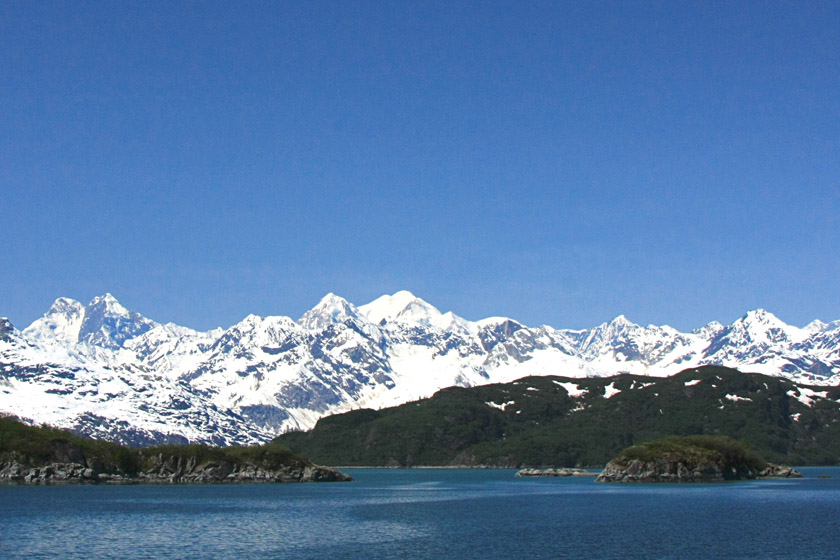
<point>65,307</point>
<point>761,326</point>
<point>710,330</point>
<point>621,320</point>
<point>332,300</point>
<point>330,310</point>
<point>64,303</point>
<point>108,324</point>
<point>402,305</point>
<point>102,322</point>
<point>759,314</point>
<point>61,323</point>
<point>618,324</point>
<point>816,326</point>
<point>108,304</point>
<point>763,319</point>
<point>404,295</point>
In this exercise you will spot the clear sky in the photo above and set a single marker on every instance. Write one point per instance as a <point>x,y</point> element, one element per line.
<point>557,162</point>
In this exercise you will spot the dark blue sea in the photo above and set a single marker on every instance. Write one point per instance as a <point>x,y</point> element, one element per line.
<point>471,514</point>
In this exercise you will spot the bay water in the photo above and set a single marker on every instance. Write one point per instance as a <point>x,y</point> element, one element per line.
<point>428,513</point>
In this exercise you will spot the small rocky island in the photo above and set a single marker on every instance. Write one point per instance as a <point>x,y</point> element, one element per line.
<point>43,455</point>
<point>690,459</point>
<point>561,472</point>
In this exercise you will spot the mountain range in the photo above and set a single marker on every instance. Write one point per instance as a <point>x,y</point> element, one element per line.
<point>108,372</point>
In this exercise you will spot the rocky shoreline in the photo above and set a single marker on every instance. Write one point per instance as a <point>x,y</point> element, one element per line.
<point>664,470</point>
<point>167,471</point>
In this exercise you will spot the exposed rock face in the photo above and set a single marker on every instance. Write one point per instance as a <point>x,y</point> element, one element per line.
<point>554,472</point>
<point>681,469</point>
<point>15,473</point>
<point>6,329</point>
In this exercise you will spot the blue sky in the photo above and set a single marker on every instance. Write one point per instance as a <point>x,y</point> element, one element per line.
<point>556,162</point>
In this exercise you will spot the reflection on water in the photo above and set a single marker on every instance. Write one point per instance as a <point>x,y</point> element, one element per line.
<point>426,514</point>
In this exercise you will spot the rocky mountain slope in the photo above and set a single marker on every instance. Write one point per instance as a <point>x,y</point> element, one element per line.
<point>108,372</point>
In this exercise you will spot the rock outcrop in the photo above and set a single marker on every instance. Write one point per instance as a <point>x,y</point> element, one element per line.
<point>779,471</point>
<point>562,472</point>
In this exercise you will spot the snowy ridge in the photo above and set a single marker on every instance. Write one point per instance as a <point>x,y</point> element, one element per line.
<point>109,372</point>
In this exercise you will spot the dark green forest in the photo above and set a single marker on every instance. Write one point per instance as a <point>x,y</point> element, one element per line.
<point>544,426</point>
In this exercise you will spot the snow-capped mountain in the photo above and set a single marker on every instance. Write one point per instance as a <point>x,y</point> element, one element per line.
<point>109,372</point>
<point>104,322</point>
<point>124,402</point>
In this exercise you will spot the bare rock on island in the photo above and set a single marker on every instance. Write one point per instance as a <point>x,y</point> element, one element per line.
<point>561,472</point>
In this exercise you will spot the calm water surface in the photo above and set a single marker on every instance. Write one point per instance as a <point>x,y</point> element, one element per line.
<point>428,514</point>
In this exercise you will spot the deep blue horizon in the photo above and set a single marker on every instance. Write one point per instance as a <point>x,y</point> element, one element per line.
<point>559,163</point>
